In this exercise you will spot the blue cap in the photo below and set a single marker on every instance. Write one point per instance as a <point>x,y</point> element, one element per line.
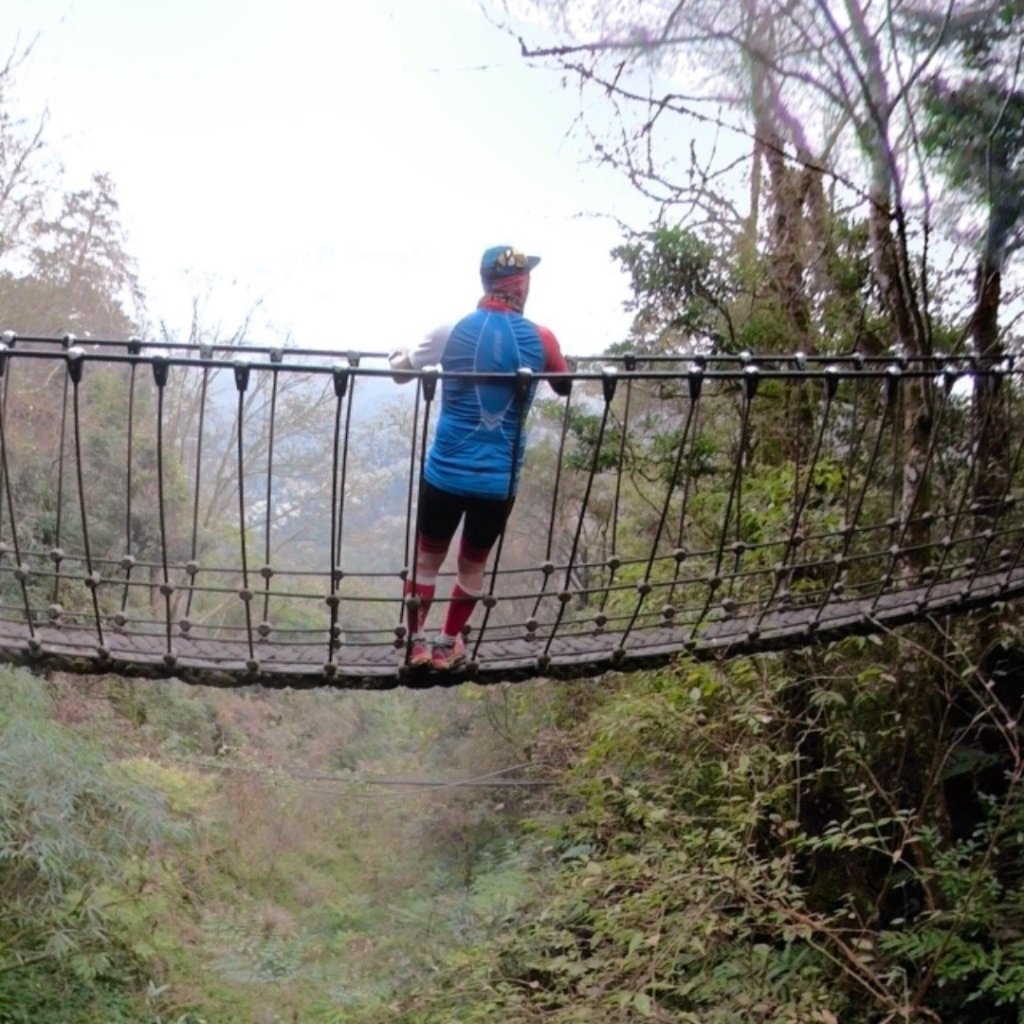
<point>505,261</point>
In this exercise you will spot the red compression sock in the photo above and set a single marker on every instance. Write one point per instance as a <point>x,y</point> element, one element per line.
<point>415,617</point>
<point>460,607</point>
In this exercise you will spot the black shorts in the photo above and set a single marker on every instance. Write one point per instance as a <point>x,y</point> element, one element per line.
<point>439,512</point>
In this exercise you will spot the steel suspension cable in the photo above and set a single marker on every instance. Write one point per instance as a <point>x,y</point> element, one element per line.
<point>961,507</point>
<point>614,561</point>
<point>689,485</point>
<point>7,342</point>
<point>796,412</point>
<point>898,422</point>
<point>907,512</point>
<point>192,568</point>
<point>547,568</point>
<point>696,381</point>
<point>427,385</point>
<point>608,382</point>
<point>128,561</point>
<point>750,382</point>
<point>267,570</point>
<point>160,375</point>
<point>413,541</point>
<point>523,385</point>
<point>1019,553</point>
<point>841,562</point>
<point>241,370</point>
<point>1004,501</point>
<point>739,547</point>
<point>92,580</point>
<point>782,570</point>
<point>857,436</point>
<point>57,553</point>
<point>20,571</point>
<point>353,362</point>
<point>333,601</point>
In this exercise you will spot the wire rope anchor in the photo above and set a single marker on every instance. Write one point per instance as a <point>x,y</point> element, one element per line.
<point>428,382</point>
<point>161,370</point>
<point>242,370</point>
<point>609,382</point>
<point>340,376</point>
<point>75,360</point>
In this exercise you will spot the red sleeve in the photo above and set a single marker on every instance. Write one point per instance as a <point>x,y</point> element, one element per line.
<point>554,360</point>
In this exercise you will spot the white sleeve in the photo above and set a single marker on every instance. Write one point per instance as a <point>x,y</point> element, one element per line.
<point>429,351</point>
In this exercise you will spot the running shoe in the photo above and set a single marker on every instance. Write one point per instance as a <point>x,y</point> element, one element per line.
<point>421,654</point>
<point>448,654</point>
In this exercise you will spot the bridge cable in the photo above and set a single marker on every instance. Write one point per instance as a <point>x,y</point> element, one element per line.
<point>969,483</point>
<point>750,382</point>
<point>696,382</point>
<point>547,568</point>
<point>56,552</point>
<point>128,561</point>
<point>614,562</point>
<point>92,581</point>
<point>427,385</point>
<point>241,370</point>
<point>896,475</point>
<point>523,385</point>
<point>794,408</point>
<point>266,570</point>
<point>858,437</point>
<point>353,362</point>
<point>205,352</point>
<point>161,369</point>
<point>783,569</point>
<point>608,382</point>
<point>699,364</point>
<point>494,779</point>
<point>906,515</point>
<point>7,343</point>
<point>413,541</point>
<point>341,381</point>
<point>739,546</point>
<point>20,571</point>
<point>1004,501</point>
<point>840,562</point>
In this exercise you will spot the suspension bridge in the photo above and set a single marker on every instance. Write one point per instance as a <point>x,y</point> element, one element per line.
<point>236,515</point>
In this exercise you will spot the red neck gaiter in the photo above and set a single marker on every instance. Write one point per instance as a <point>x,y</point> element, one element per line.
<point>510,292</point>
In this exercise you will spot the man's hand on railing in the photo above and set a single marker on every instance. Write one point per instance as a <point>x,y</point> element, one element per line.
<point>399,360</point>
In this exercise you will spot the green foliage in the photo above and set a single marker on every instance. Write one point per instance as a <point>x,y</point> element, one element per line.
<point>680,288</point>
<point>974,120</point>
<point>585,430</point>
<point>73,828</point>
<point>741,850</point>
<point>297,893</point>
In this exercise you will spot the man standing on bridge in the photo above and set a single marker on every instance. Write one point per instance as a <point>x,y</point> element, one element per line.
<point>472,472</point>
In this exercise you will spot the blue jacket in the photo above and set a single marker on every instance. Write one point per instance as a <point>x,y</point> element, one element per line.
<point>472,453</point>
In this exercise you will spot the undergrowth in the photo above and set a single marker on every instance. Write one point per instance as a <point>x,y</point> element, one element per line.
<point>741,855</point>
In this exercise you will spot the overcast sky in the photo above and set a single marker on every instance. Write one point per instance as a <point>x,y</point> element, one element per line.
<point>345,164</point>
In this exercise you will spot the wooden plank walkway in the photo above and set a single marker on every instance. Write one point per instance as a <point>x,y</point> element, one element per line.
<point>573,656</point>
